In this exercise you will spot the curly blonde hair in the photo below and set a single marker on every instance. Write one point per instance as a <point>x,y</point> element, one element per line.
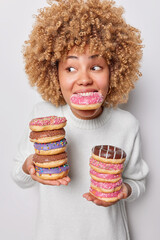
<point>65,24</point>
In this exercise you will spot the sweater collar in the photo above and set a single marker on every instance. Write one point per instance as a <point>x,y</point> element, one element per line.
<point>87,124</point>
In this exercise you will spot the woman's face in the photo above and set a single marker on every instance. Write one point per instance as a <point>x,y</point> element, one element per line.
<point>83,73</point>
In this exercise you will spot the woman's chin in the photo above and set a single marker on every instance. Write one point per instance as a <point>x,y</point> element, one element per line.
<point>87,114</point>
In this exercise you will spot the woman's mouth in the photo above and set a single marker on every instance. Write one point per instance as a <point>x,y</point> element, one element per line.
<point>86,100</point>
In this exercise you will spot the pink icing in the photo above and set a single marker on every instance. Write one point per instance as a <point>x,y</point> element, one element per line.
<point>104,175</point>
<point>106,166</point>
<point>104,195</point>
<point>106,185</point>
<point>51,120</point>
<point>92,98</point>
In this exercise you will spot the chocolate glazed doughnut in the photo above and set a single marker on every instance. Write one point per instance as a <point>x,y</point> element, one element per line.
<point>108,154</point>
<point>47,136</point>
<point>50,161</point>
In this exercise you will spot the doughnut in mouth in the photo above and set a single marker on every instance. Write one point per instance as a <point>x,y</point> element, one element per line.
<point>50,148</point>
<point>52,173</point>
<point>86,100</point>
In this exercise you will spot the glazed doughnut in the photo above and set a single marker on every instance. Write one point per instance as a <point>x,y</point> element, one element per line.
<point>106,187</point>
<point>108,154</point>
<point>86,100</point>
<point>50,161</point>
<point>50,148</point>
<point>104,177</point>
<point>52,173</point>
<point>47,123</point>
<point>107,197</point>
<point>108,168</point>
<point>47,136</point>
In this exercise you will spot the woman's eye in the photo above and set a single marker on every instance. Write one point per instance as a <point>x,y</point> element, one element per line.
<point>71,69</point>
<point>96,68</point>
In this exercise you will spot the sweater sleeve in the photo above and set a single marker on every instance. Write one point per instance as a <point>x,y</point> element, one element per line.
<point>25,148</point>
<point>136,170</point>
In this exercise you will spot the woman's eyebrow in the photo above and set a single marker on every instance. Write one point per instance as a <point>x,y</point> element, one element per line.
<point>70,57</point>
<point>75,57</point>
<point>94,56</point>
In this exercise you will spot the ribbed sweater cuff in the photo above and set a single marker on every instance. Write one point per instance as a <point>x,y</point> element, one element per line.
<point>21,178</point>
<point>135,190</point>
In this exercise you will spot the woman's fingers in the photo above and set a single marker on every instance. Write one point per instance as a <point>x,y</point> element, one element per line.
<point>58,182</point>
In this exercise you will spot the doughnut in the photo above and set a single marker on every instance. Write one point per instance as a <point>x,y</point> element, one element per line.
<point>107,197</point>
<point>104,177</point>
<point>108,168</point>
<point>47,123</point>
<point>47,136</point>
<point>86,100</point>
<point>50,148</point>
<point>106,187</point>
<point>108,154</point>
<point>49,161</point>
<point>52,173</point>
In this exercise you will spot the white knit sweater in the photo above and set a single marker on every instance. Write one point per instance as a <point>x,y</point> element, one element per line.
<point>63,213</point>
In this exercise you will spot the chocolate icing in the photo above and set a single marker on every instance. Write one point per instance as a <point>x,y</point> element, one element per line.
<point>109,152</point>
<point>49,133</point>
<point>49,158</point>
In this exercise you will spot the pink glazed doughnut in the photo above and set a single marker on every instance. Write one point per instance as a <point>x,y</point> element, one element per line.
<point>104,177</point>
<point>107,197</point>
<point>86,100</point>
<point>106,187</point>
<point>47,123</point>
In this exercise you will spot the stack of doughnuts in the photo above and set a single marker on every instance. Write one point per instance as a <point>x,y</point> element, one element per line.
<point>106,166</point>
<point>50,158</point>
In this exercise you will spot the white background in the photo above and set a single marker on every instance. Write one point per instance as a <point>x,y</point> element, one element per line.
<point>17,206</point>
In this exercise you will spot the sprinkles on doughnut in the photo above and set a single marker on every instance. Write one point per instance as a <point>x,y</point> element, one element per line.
<point>106,187</point>
<point>50,148</point>
<point>104,177</point>
<point>52,173</point>
<point>86,100</point>
<point>109,168</point>
<point>107,197</point>
<point>47,123</point>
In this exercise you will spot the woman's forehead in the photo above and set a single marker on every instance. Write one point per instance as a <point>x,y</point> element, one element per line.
<point>75,53</point>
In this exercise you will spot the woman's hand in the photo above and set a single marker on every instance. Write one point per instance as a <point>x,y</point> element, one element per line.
<point>28,168</point>
<point>126,191</point>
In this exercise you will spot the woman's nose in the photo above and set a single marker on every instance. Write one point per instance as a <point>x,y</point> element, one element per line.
<point>84,79</point>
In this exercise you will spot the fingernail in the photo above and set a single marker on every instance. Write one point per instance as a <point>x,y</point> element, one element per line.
<point>31,171</point>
